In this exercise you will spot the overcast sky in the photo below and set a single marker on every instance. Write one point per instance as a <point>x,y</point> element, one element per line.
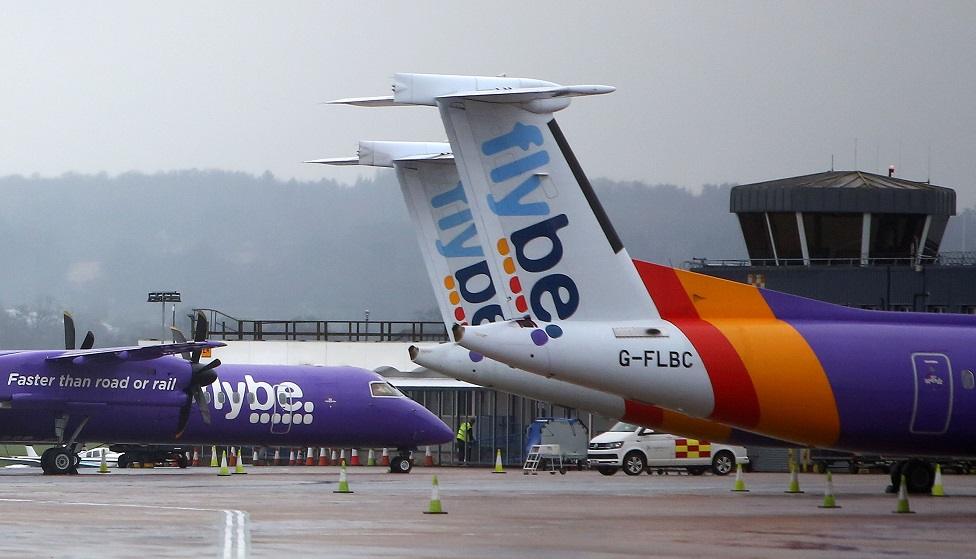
<point>707,92</point>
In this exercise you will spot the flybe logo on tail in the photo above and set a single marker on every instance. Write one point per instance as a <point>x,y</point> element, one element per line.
<point>516,181</point>
<point>471,282</point>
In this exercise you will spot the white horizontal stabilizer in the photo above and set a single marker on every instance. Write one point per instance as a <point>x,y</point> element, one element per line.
<point>382,101</point>
<point>383,154</point>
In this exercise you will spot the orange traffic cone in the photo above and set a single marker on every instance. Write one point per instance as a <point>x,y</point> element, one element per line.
<point>335,456</point>
<point>255,459</point>
<point>310,457</point>
<point>428,459</point>
<point>196,457</point>
<point>354,461</point>
<point>323,457</point>
<point>277,457</point>
<point>342,456</point>
<point>291,457</point>
<point>385,458</point>
<point>232,459</point>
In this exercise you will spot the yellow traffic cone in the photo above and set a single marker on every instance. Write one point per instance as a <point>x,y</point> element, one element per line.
<point>213,457</point>
<point>937,489</point>
<point>740,484</point>
<point>794,480</point>
<point>435,500</point>
<point>498,463</point>
<point>239,466</point>
<point>829,501</point>
<point>103,467</point>
<point>371,458</point>
<point>224,470</point>
<point>343,481</point>
<point>902,507</point>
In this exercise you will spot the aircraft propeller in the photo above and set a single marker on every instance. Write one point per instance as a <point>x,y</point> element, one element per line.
<point>69,334</point>
<point>201,374</point>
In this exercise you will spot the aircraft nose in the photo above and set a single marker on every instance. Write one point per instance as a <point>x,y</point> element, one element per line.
<point>429,429</point>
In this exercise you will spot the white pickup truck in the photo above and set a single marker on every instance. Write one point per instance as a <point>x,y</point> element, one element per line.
<point>636,449</point>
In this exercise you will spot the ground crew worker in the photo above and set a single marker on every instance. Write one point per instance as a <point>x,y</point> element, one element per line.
<point>465,437</point>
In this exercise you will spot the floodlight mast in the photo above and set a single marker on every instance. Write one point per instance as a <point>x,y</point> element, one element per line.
<point>164,297</point>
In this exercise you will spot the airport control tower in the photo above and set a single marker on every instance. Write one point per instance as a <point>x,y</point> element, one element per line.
<point>852,238</point>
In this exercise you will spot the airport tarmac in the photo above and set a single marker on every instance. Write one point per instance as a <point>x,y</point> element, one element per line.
<point>293,512</point>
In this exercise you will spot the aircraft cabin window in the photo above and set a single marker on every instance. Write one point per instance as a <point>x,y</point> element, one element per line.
<point>282,399</point>
<point>237,397</point>
<point>250,397</point>
<point>383,390</point>
<point>221,398</point>
<point>968,380</point>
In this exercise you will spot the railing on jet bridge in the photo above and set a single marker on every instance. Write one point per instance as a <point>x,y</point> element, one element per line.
<point>226,327</point>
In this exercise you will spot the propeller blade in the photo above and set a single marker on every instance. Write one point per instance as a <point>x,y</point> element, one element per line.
<point>184,418</point>
<point>178,337</point>
<point>202,404</point>
<point>89,341</point>
<point>69,331</point>
<point>206,375</point>
<point>200,331</point>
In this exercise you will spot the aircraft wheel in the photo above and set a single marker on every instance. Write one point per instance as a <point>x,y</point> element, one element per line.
<point>123,461</point>
<point>919,475</point>
<point>46,460</point>
<point>62,461</point>
<point>182,462</point>
<point>400,465</point>
<point>723,463</point>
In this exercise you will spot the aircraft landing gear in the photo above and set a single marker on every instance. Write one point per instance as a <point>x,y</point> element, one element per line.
<point>919,476</point>
<point>59,460</point>
<point>401,463</point>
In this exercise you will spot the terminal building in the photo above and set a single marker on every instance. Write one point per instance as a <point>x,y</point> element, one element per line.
<point>851,238</point>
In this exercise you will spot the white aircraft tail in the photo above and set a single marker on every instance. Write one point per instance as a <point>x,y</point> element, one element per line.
<point>446,231</point>
<point>555,249</point>
<point>553,252</point>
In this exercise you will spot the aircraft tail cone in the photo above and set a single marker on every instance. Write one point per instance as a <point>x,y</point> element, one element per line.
<point>499,468</point>
<point>324,457</point>
<point>385,457</point>
<point>428,459</point>
<point>794,480</point>
<point>224,470</point>
<point>343,480</point>
<point>903,507</point>
<point>371,458</point>
<point>435,500</point>
<point>310,457</point>
<point>937,489</point>
<point>740,483</point>
<point>829,501</point>
<point>239,467</point>
<point>103,467</point>
<point>213,457</point>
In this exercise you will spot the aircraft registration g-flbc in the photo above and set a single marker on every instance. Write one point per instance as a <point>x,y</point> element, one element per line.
<point>144,395</point>
<point>767,362</point>
<point>455,259</point>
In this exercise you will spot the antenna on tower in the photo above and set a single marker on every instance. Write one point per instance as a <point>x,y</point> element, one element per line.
<point>855,154</point>
<point>831,162</point>
<point>928,167</point>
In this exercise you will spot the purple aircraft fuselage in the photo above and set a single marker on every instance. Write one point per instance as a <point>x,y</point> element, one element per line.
<point>46,395</point>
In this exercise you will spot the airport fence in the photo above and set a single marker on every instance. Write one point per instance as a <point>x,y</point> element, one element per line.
<point>226,327</point>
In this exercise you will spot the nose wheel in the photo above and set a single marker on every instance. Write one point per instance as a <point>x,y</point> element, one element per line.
<point>401,464</point>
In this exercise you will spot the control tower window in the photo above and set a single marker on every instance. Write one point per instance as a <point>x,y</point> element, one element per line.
<point>756,234</point>
<point>833,238</point>
<point>894,237</point>
<point>787,238</point>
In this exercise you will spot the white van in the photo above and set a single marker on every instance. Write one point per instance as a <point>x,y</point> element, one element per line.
<point>636,449</point>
